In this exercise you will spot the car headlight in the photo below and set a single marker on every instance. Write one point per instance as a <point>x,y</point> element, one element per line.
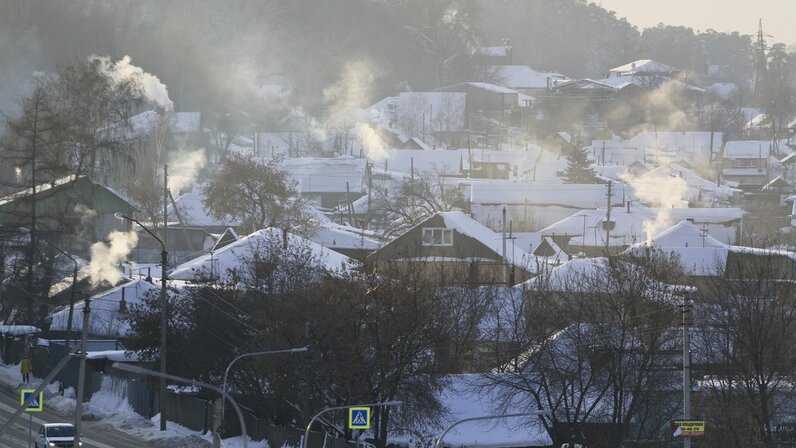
<point>52,444</point>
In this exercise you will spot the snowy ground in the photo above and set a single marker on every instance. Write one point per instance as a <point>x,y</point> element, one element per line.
<point>111,409</point>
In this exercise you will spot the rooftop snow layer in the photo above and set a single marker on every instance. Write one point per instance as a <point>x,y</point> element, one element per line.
<point>235,257</point>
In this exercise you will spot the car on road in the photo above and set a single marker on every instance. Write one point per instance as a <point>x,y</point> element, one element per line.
<point>56,435</point>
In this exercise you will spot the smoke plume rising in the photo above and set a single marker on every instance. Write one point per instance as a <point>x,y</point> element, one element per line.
<point>184,167</point>
<point>154,90</point>
<point>663,192</point>
<point>373,144</point>
<point>106,257</point>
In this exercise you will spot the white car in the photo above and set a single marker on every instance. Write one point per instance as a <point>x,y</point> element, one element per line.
<point>60,435</point>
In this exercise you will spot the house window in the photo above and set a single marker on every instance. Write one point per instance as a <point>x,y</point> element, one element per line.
<point>437,237</point>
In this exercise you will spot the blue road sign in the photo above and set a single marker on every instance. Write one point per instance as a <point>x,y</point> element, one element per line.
<point>36,405</point>
<point>359,418</point>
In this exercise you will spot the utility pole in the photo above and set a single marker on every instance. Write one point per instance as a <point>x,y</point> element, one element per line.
<point>686,311</point>
<point>505,261</point>
<point>81,379</point>
<point>164,261</point>
<point>608,222</point>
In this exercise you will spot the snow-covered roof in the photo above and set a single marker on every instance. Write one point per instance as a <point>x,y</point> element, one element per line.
<point>577,196</point>
<point>747,149</point>
<point>233,258</point>
<point>442,111</point>
<point>522,77</point>
<point>193,212</point>
<point>338,236</point>
<point>592,275</point>
<point>647,82</point>
<point>492,88</point>
<point>441,161</point>
<point>468,226</point>
<point>326,175</point>
<point>105,319</point>
<point>631,227</point>
<point>699,188</point>
<point>18,330</point>
<point>114,355</point>
<point>699,253</point>
<point>643,66</point>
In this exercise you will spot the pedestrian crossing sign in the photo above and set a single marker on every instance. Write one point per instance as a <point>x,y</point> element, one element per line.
<point>358,418</point>
<point>36,405</point>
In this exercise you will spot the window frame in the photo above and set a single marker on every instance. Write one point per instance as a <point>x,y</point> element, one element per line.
<point>445,237</point>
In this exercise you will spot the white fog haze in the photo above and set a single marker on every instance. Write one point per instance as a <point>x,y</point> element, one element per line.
<point>398,224</point>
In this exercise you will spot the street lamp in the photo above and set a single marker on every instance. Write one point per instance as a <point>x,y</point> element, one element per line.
<point>164,258</point>
<point>338,408</point>
<point>438,443</point>
<point>247,355</point>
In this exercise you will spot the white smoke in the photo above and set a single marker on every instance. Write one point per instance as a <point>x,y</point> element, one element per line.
<point>375,149</point>
<point>122,70</point>
<point>105,257</point>
<point>352,90</point>
<point>663,192</point>
<point>184,167</point>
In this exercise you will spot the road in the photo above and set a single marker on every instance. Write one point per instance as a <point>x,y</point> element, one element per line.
<point>95,437</point>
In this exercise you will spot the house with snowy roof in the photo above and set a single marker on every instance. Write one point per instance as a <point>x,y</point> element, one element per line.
<point>327,182</point>
<point>522,78</point>
<point>107,318</point>
<point>643,67</point>
<point>590,232</point>
<point>747,162</point>
<point>454,249</point>
<point>246,257</point>
<point>701,255</point>
<point>71,205</point>
<point>698,150</point>
<point>530,205</point>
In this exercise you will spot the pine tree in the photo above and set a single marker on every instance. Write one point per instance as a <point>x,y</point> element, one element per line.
<point>579,170</point>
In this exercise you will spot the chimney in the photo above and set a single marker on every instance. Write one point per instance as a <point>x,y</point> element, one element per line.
<point>122,303</point>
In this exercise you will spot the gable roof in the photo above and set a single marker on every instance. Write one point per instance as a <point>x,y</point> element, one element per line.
<point>486,236</point>
<point>326,175</point>
<point>522,77</point>
<point>106,318</point>
<point>644,66</point>
<point>103,198</point>
<point>233,258</point>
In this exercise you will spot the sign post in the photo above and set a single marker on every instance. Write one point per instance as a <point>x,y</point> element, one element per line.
<point>689,428</point>
<point>36,405</point>
<point>359,418</point>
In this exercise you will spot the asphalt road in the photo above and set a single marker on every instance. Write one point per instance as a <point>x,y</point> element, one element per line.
<point>17,435</point>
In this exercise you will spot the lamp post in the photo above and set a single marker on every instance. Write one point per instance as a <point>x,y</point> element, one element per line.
<point>248,355</point>
<point>338,408</point>
<point>163,278</point>
<point>438,443</point>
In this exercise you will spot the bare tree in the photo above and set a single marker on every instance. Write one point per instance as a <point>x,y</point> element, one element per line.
<point>748,335</point>
<point>595,338</point>
<point>416,198</point>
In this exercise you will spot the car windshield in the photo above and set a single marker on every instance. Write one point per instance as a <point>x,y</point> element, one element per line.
<point>61,431</point>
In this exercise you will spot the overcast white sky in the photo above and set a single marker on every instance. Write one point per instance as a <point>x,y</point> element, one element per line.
<point>779,16</point>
